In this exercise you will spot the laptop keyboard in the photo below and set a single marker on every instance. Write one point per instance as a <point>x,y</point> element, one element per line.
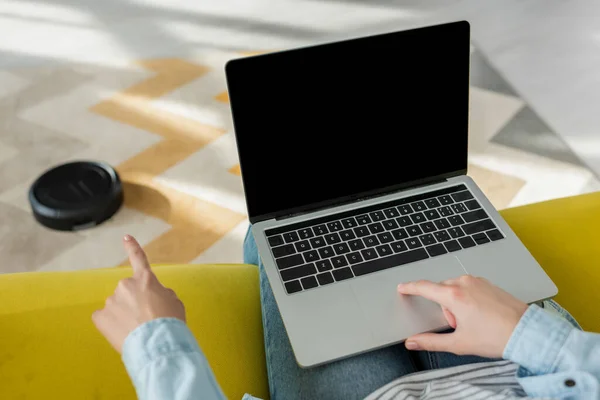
<point>343,246</point>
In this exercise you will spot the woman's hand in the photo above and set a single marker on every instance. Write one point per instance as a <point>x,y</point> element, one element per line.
<point>483,316</point>
<point>136,300</point>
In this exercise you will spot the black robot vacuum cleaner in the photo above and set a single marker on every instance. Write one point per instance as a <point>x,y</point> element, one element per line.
<point>76,195</point>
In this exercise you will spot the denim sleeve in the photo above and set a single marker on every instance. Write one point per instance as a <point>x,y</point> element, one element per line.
<point>164,361</point>
<point>556,360</point>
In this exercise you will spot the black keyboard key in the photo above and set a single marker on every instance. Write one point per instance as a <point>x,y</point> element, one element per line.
<point>368,254</point>
<point>452,245</point>
<point>399,246</point>
<point>472,204</point>
<point>293,287</point>
<point>418,218</point>
<point>302,246</point>
<point>405,209</point>
<point>333,238</point>
<point>335,226</point>
<point>427,239</point>
<point>305,233</point>
<point>400,234</point>
<point>445,200</point>
<point>384,250</point>
<point>414,230</point>
<point>283,251</point>
<point>376,228</point>
<point>446,211</point>
<point>361,231</point>
<point>385,237</point>
<point>442,223</point>
<point>442,236</point>
<point>342,274</point>
<point>363,219</point>
<point>389,262</point>
<point>324,265</point>
<point>474,215</point>
<point>390,224</point>
<point>311,256</point>
<point>341,248</point>
<point>466,242</point>
<point>432,203</point>
<point>413,243</point>
<point>456,232</point>
<point>432,214</point>
<point>391,213</point>
<point>474,227</point>
<point>419,206</point>
<point>298,272</point>
<point>317,242</point>
<point>436,250</point>
<point>356,244</point>
<point>480,238</point>
<point>309,282</point>
<point>291,237</point>
<point>320,230</point>
<point>349,223</point>
<point>459,208</point>
<point>326,252</point>
<point>371,241</point>
<point>325,278</point>
<point>404,221</point>
<point>377,216</point>
<point>275,240</point>
<point>456,220</point>
<point>289,261</point>
<point>495,234</point>
<point>339,261</point>
<point>354,258</point>
<point>462,196</point>
<point>428,227</point>
<point>347,235</point>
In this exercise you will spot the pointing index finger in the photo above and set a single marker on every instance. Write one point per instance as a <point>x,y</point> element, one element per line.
<point>427,289</point>
<point>137,257</point>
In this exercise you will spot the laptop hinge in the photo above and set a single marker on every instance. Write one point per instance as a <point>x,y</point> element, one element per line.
<point>357,199</point>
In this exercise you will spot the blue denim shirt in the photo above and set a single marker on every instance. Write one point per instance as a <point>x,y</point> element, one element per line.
<point>556,360</point>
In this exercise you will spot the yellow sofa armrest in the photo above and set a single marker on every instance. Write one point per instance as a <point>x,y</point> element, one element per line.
<point>564,237</point>
<point>49,347</point>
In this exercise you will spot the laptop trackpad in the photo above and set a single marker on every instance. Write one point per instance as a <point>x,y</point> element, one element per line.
<point>393,317</point>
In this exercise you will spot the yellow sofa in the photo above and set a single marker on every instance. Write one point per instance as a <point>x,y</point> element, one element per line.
<point>49,348</point>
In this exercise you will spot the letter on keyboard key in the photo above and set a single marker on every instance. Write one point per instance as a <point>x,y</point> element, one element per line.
<point>290,261</point>
<point>389,262</point>
<point>474,227</point>
<point>298,272</point>
<point>342,274</point>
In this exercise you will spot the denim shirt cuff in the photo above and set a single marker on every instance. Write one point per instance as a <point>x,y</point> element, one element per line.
<point>537,340</point>
<point>161,337</point>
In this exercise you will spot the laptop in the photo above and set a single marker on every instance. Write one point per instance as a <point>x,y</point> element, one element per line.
<point>354,158</point>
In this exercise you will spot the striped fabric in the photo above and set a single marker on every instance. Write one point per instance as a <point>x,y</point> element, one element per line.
<point>481,381</point>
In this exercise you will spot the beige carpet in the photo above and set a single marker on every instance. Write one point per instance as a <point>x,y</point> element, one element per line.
<point>165,125</point>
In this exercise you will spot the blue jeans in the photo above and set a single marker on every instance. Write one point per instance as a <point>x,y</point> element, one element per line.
<point>352,378</point>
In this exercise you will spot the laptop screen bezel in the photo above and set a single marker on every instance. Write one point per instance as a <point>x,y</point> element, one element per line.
<point>342,199</point>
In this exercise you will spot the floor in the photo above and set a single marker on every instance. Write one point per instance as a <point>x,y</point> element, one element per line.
<point>76,77</point>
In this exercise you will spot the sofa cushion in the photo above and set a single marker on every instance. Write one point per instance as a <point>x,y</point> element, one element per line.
<point>49,347</point>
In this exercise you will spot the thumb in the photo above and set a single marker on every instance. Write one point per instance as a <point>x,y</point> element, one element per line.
<point>432,342</point>
<point>137,257</point>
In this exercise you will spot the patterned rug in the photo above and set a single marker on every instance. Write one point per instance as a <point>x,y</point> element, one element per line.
<point>165,125</point>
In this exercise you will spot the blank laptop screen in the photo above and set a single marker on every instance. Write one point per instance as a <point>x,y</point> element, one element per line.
<point>325,123</point>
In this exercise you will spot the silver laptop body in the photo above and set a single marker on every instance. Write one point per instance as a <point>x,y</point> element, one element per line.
<point>343,301</point>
